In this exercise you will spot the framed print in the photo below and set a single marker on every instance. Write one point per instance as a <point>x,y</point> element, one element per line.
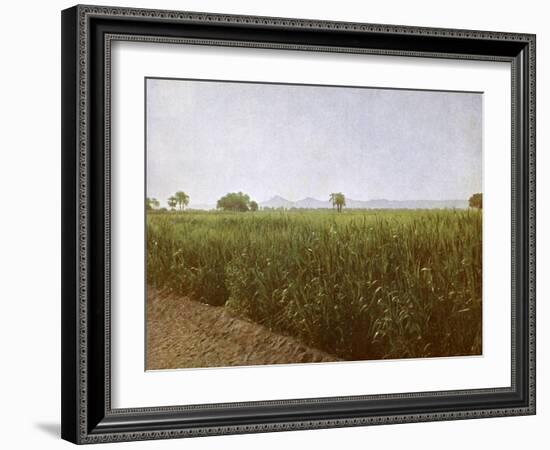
<point>276,224</point>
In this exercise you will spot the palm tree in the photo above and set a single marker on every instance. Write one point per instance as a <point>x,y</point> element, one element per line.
<point>338,200</point>
<point>182,199</point>
<point>333,199</point>
<point>172,202</point>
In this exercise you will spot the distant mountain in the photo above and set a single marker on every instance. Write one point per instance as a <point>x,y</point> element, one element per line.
<point>406,204</point>
<point>277,202</point>
<point>313,203</point>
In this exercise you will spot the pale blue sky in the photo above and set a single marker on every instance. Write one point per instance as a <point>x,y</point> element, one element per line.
<point>209,138</point>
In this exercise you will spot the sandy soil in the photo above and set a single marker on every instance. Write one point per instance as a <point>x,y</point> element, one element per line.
<point>182,333</point>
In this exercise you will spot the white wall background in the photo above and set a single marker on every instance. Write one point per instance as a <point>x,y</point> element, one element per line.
<point>30,222</point>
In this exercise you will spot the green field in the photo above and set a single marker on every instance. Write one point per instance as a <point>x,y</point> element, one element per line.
<point>366,284</point>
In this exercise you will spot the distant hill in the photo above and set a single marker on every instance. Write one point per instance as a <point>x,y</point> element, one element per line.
<point>313,203</point>
<point>407,204</point>
<point>277,202</point>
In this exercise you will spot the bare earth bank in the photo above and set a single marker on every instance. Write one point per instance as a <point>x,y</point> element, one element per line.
<point>182,333</point>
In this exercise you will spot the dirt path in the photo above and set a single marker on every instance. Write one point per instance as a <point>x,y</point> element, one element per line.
<point>182,333</point>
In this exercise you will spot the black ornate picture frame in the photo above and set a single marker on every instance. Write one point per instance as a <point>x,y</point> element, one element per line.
<point>87,35</point>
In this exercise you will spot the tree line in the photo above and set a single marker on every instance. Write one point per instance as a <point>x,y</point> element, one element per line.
<point>241,202</point>
<point>232,201</point>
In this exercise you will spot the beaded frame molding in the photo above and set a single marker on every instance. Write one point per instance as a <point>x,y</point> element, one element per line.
<point>87,35</point>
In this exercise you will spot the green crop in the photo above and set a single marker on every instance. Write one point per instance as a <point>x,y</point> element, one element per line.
<point>366,284</point>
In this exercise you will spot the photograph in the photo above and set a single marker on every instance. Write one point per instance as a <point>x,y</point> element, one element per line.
<point>289,219</point>
<point>300,223</point>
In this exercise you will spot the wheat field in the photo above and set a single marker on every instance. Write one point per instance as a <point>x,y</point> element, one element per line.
<point>360,285</point>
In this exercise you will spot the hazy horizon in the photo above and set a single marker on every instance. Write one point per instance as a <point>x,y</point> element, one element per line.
<point>351,202</point>
<point>295,141</point>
